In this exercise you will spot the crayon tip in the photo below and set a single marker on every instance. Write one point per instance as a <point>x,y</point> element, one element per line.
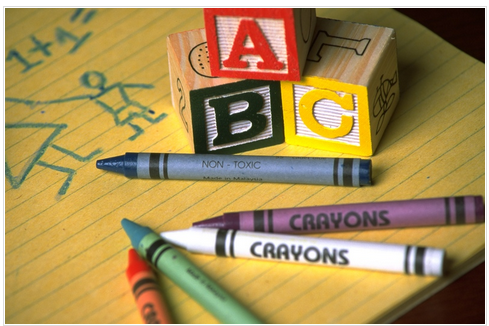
<point>134,231</point>
<point>135,264</point>
<point>112,164</point>
<point>215,222</point>
<point>230,221</point>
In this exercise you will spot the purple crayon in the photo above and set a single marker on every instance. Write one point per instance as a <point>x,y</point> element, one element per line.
<point>355,217</point>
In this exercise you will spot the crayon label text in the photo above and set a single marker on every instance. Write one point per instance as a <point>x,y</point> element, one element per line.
<point>339,220</point>
<point>310,254</point>
<point>149,314</point>
<point>241,165</point>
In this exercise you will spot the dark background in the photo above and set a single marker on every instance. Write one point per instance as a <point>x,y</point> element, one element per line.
<point>464,28</point>
<point>463,301</point>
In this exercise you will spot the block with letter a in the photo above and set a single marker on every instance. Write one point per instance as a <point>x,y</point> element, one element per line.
<point>348,92</point>
<point>259,43</point>
<point>220,115</point>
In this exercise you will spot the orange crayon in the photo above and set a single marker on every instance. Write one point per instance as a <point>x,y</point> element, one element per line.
<point>146,290</point>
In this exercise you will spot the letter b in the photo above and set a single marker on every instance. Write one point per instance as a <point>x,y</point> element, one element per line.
<point>224,118</point>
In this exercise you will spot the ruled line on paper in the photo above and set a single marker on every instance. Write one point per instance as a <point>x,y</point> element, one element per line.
<point>18,21</point>
<point>22,22</point>
<point>94,57</point>
<point>162,37</point>
<point>111,47</point>
<point>58,180</point>
<point>124,182</point>
<point>134,73</point>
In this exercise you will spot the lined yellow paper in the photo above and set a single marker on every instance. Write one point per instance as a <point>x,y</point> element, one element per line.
<point>86,84</point>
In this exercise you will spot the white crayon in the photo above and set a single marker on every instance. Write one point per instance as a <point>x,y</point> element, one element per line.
<point>310,250</point>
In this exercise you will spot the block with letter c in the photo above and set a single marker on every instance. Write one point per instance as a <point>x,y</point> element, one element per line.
<point>348,91</point>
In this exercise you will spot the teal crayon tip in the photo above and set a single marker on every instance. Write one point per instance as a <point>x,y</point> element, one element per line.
<point>134,231</point>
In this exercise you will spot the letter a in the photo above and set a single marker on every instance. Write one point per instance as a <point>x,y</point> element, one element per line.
<point>249,28</point>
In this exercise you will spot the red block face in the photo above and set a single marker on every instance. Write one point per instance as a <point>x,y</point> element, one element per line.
<point>270,44</point>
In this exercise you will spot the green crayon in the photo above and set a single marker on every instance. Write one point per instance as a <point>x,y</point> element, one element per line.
<point>187,276</point>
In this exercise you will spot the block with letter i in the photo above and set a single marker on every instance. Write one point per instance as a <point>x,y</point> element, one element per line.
<point>259,43</point>
<point>220,115</point>
<point>348,92</point>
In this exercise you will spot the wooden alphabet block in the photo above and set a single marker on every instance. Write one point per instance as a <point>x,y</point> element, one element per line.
<point>269,44</point>
<point>348,92</point>
<point>220,115</point>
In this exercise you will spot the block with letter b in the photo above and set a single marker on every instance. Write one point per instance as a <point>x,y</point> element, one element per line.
<point>349,89</point>
<point>259,43</point>
<point>220,115</point>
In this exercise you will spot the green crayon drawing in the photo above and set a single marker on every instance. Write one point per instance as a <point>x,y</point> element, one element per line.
<point>88,16</point>
<point>35,157</point>
<point>62,37</point>
<point>97,81</point>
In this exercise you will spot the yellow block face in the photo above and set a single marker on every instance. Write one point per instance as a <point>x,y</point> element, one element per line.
<point>348,91</point>
<point>327,114</point>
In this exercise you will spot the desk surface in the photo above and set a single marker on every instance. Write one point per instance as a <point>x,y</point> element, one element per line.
<point>463,301</point>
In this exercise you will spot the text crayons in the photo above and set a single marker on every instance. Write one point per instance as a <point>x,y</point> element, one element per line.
<point>305,170</point>
<point>307,250</point>
<point>146,291</point>
<point>355,217</point>
<point>187,276</point>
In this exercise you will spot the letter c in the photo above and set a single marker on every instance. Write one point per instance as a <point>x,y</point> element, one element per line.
<point>306,105</point>
<point>292,219</point>
<point>252,249</point>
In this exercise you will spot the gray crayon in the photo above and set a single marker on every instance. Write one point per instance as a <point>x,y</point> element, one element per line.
<point>353,172</point>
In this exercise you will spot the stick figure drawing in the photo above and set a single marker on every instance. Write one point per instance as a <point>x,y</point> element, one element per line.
<point>125,112</point>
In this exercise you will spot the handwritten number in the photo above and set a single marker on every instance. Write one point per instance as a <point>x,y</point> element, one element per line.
<point>62,36</point>
<point>14,54</point>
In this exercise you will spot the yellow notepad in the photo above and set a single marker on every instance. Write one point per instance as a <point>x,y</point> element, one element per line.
<point>85,84</point>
